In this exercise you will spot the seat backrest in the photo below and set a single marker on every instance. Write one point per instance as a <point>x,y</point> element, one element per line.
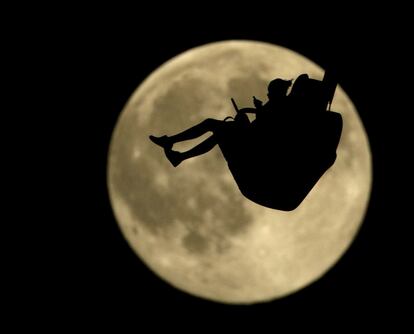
<point>312,94</point>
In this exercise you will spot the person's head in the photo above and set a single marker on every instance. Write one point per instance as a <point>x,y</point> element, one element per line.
<point>278,88</point>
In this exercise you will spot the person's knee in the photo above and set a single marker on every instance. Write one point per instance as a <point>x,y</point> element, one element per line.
<point>212,123</point>
<point>210,120</point>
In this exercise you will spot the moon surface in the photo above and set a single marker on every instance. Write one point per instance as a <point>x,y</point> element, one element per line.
<point>191,225</point>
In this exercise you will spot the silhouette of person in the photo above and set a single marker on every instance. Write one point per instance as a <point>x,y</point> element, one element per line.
<point>277,90</point>
<point>277,95</point>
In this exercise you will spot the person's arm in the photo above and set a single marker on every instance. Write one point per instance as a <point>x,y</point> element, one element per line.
<point>257,103</point>
<point>258,107</point>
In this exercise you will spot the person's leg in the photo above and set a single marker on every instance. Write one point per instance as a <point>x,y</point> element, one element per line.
<point>200,149</point>
<point>198,130</point>
<point>177,157</point>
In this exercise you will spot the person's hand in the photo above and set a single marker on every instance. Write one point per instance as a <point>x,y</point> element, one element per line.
<point>257,103</point>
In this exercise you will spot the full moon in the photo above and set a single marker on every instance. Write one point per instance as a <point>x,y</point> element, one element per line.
<point>191,225</point>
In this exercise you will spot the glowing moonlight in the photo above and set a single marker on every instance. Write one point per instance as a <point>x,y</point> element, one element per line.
<point>190,224</point>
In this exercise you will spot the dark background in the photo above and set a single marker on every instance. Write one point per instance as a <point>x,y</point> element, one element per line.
<point>102,56</point>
